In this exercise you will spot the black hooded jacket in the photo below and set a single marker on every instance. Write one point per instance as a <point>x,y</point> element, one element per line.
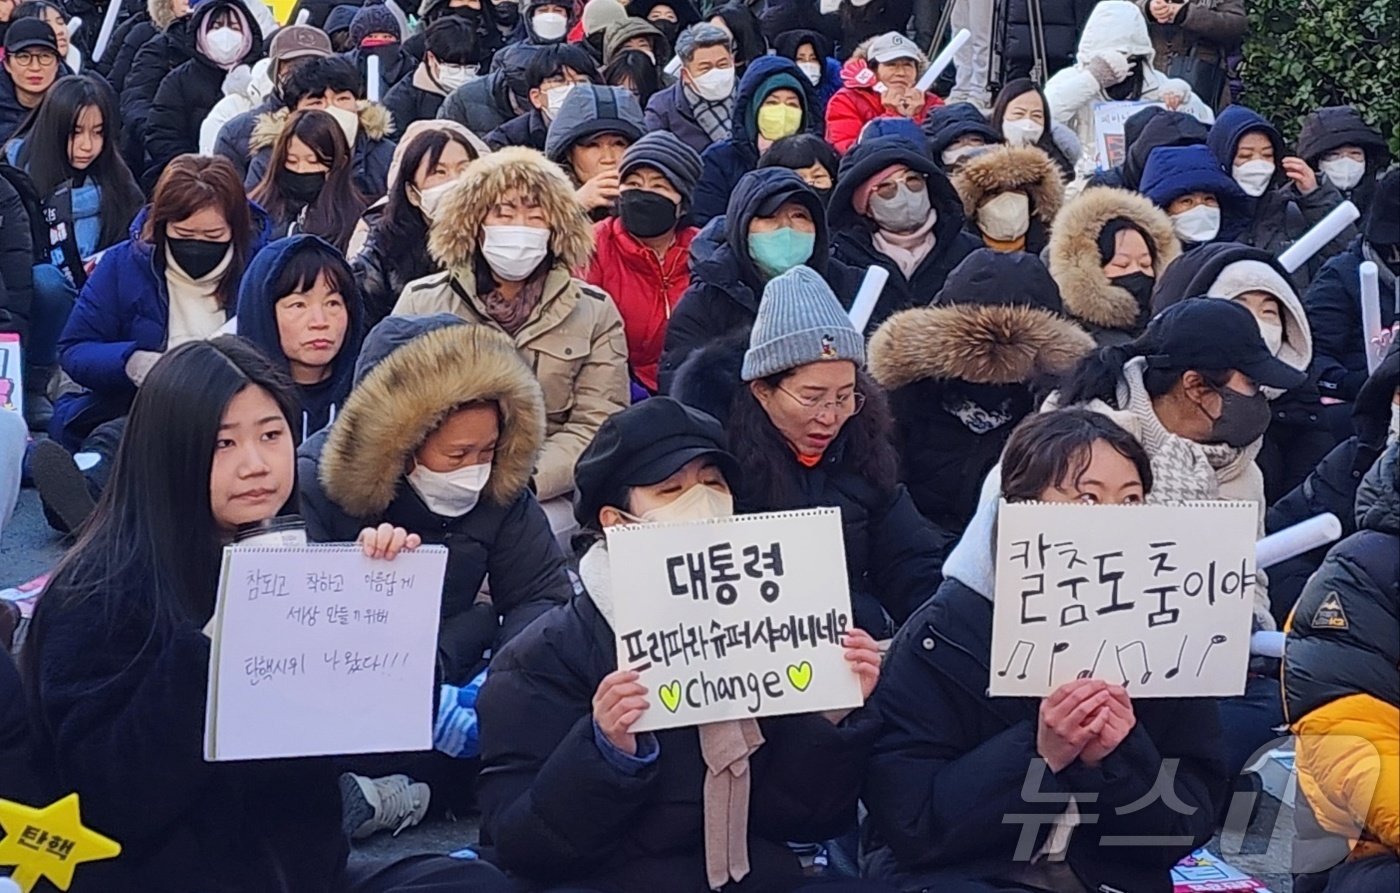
<point>156,58</point>
<point>1151,128</point>
<point>1335,126</point>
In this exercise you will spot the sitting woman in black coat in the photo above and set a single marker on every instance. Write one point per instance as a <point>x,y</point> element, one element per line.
<point>572,797</point>
<point>958,789</point>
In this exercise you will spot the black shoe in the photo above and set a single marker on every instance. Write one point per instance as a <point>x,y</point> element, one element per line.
<point>38,411</point>
<point>61,485</point>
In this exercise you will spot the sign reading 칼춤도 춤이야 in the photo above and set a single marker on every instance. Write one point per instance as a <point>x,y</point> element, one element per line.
<point>1156,598</point>
<point>734,618</point>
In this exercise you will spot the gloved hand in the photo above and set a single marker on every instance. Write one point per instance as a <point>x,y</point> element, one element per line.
<point>238,80</point>
<point>139,365</point>
<point>1110,67</point>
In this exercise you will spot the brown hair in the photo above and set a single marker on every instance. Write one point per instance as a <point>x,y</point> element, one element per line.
<point>188,185</point>
<point>1053,448</point>
<point>338,206</point>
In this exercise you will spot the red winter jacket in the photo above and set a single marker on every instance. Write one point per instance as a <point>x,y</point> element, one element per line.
<point>857,103</point>
<point>644,289</point>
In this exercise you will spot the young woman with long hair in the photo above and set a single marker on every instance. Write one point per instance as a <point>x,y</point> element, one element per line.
<point>308,186</point>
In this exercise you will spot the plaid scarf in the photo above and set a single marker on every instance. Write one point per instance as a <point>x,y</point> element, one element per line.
<point>713,117</point>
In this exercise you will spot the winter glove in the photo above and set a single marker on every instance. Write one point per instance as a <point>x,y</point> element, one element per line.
<point>1175,93</point>
<point>1110,67</point>
<point>238,80</point>
<point>139,364</point>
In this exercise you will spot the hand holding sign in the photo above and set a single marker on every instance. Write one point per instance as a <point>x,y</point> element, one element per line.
<point>619,702</point>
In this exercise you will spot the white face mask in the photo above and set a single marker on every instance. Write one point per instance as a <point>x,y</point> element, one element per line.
<point>1006,216</point>
<point>1200,224</point>
<point>1024,132</point>
<point>349,122</point>
<point>550,25</point>
<point>514,252</point>
<point>1273,336</point>
<point>430,199</point>
<point>1253,176</point>
<point>1344,173</point>
<point>715,84</point>
<point>699,503</point>
<point>813,70</point>
<point>554,99</point>
<point>450,77</point>
<point>450,494</point>
<point>951,157</point>
<point>223,45</point>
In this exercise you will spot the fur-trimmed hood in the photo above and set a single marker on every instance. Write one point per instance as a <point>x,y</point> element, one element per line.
<point>412,372</point>
<point>1006,169</point>
<point>375,124</point>
<point>977,343</point>
<point>1074,254</point>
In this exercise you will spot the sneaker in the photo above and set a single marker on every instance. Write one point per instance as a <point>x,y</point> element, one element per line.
<point>391,803</point>
<point>61,485</point>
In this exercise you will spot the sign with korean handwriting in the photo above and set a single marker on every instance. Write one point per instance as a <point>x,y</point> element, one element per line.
<point>1156,598</point>
<point>733,618</point>
<point>1110,118</point>
<point>319,650</point>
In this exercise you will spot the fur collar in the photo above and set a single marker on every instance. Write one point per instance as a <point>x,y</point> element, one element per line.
<point>375,123</point>
<point>1022,168</point>
<point>455,235</point>
<point>978,343</point>
<point>1074,254</point>
<point>398,402</point>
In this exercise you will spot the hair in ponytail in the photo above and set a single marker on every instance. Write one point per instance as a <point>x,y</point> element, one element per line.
<point>1096,376</point>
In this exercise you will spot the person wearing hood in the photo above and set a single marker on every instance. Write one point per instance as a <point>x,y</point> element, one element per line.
<point>643,254</point>
<point>810,157</point>
<point>774,223</point>
<point>974,793</point>
<point>450,59</point>
<point>740,19</point>
<point>542,23</point>
<point>1349,153</point>
<point>587,138</point>
<point>878,81</point>
<point>572,798</point>
<point>961,374</point>
<point>1108,248</point>
<point>30,68</point>
<point>1333,300</point>
<point>158,56</point>
<point>698,108</point>
<point>775,100</point>
<point>956,132</point>
<point>1298,436</point>
<point>331,85</point>
<point>591,29</point>
<point>1342,702</point>
<point>375,31</point>
<point>551,74</point>
<point>484,21</point>
<point>1284,195</point>
<point>291,48</point>
<point>670,17</point>
<point>893,208</point>
<point>1204,203</point>
<point>175,280</point>
<point>1115,62</point>
<point>636,34</point>
<point>1196,38</point>
<point>338,26</point>
<point>509,235</point>
<point>226,36</point>
<point>484,103</point>
<point>1022,115</point>
<point>1011,196</point>
<point>813,53</point>
<point>1151,128</point>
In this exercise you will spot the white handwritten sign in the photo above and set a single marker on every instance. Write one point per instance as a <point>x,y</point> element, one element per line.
<point>1156,598</point>
<point>319,650</point>
<point>1110,146</point>
<point>735,617</point>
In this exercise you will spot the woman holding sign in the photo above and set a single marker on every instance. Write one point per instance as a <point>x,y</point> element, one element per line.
<point>118,665</point>
<point>965,788</point>
<point>572,797</point>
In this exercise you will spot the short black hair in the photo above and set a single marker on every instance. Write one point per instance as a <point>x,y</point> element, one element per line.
<point>637,69</point>
<point>317,76</point>
<point>801,150</point>
<point>308,262</point>
<point>550,60</point>
<point>1053,448</point>
<point>451,39</point>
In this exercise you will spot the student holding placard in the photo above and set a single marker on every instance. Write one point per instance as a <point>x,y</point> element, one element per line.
<point>966,788</point>
<point>117,662</point>
<point>570,796</point>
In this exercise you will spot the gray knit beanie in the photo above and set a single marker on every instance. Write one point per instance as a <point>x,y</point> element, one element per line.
<point>669,155</point>
<point>799,322</point>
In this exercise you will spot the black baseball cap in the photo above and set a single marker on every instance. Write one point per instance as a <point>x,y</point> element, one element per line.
<point>1211,333</point>
<point>644,445</point>
<point>29,33</point>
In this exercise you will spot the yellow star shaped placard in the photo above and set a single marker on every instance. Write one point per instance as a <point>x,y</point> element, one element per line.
<point>49,843</point>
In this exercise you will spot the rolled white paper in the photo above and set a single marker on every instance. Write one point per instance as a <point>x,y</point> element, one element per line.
<point>1319,530</point>
<point>372,76</point>
<point>1371,314</point>
<point>1315,239</point>
<point>75,25</point>
<point>673,67</point>
<point>303,17</point>
<point>943,60</point>
<point>1267,643</point>
<point>109,22</point>
<point>870,288</point>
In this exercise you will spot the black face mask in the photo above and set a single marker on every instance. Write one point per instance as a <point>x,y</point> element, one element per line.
<point>1130,87</point>
<point>1243,418</point>
<point>647,215</point>
<point>197,257</point>
<point>1139,285</point>
<point>668,28</point>
<point>299,187</point>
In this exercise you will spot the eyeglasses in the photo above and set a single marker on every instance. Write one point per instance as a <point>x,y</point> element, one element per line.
<point>849,405</point>
<point>890,188</point>
<point>35,60</point>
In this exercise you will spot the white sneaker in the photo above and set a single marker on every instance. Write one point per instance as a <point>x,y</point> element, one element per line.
<point>391,803</point>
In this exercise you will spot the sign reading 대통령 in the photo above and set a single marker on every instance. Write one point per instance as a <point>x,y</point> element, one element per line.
<point>735,617</point>
<point>1156,598</point>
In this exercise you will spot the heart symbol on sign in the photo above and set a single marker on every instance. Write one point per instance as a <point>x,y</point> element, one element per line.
<point>671,696</point>
<point>800,675</point>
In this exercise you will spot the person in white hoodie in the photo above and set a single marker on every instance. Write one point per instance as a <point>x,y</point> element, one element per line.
<point>1114,63</point>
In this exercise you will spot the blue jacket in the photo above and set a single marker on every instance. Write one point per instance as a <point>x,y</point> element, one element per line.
<point>1174,171</point>
<point>728,160</point>
<point>669,109</point>
<point>1333,302</point>
<point>87,207</point>
<point>124,307</point>
<point>257,321</point>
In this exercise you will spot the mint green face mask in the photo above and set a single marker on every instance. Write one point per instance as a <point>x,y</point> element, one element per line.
<point>778,251</point>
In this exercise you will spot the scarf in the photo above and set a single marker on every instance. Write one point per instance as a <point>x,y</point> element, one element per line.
<point>511,314</point>
<point>724,746</point>
<point>715,118</point>
<point>195,313</point>
<point>907,250</point>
